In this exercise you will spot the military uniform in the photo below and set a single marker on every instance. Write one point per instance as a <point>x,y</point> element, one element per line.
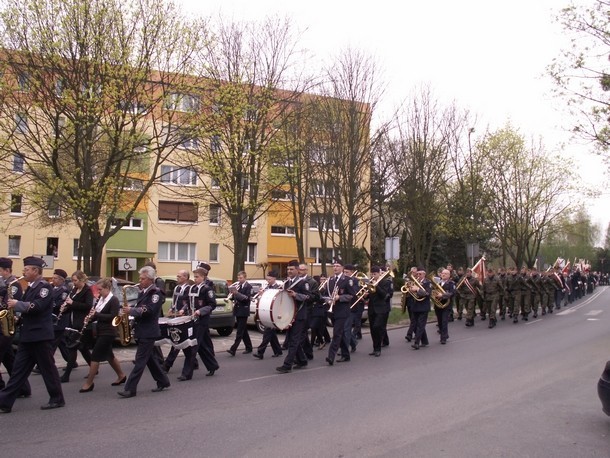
<point>203,299</point>
<point>469,290</point>
<point>347,289</point>
<point>379,309</point>
<point>491,295</point>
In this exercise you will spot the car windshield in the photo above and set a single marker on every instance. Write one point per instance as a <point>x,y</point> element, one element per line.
<point>221,289</point>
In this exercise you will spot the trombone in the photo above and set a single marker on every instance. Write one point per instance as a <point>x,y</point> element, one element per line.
<point>370,286</point>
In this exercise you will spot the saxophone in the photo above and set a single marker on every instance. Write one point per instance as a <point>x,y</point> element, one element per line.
<point>7,316</point>
<point>121,321</point>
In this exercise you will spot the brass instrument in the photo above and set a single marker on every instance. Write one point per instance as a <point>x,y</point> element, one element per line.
<point>7,316</point>
<point>121,321</point>
<point>336,289</point>
<point>437,293</point>
<point>370,286</point>
<point>406,289</point>
<point>230,295</point>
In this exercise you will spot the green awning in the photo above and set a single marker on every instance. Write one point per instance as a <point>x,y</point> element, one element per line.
<point>116,253</point>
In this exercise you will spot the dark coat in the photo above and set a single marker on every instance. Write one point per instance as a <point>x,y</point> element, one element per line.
<point>241,298</point>
<point>146,313</point>
<point>104,318</point>
<point>36,309</point>
<point>82,301</point>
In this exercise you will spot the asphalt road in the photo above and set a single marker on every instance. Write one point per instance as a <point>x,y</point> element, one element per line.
<point>519,390</point>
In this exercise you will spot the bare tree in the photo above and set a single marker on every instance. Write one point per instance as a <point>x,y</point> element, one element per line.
<point>84,105</point>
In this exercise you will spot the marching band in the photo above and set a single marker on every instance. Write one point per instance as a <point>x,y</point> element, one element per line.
<point>45,312</point>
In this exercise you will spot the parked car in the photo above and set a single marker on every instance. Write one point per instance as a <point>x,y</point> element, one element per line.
<point>221,319</point>
<point>603,389</point>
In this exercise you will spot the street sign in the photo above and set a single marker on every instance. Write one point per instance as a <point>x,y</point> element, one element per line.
<point>49,261</point>
<point>128,264</point>
<point>392,248</point>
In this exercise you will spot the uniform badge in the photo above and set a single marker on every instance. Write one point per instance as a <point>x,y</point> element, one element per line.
<point>13,291</point>
<point>44,292</point>
<point>155,298</point>
<point>63,296</point>
<point>351,282</point>
<point>307,286</point>
<point>211,294</point>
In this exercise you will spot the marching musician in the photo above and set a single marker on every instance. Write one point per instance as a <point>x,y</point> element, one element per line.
<point>442,314</point>
<point>106,309</point>
<point>60,293</point>
<point>420,308</point>
<point>147,331</point>
<point>317,318</point>
<point>7,355</point>
<point>469,290</point>
<point>180,307</point>
<point>203,301</point>
<point>78,306</point>
<point>491,294</point>
<point>241,294</point>
<point>379,309</point>
<point>270,333</point>
<point>302,292</point>
<point>36,339</point>
<point>340,290</point>
<point>407,306</point>
<point>355,313</point>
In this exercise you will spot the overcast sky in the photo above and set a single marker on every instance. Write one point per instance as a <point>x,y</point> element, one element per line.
<point>489,56</point>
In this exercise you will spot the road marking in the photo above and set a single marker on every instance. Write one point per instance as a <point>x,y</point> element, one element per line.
<point>463,340</point>
<point>592,319</point>
<point>533,321</point>
<point>279,375</point>
<point>579,306</point>
<point>594,312</point>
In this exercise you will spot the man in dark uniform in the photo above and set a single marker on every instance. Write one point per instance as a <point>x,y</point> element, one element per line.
<point>270,333</point>
<point>36,339</point>
<point>379,309</point>
<point>317,318</point>
<point>408,303</point>
<point>241,295</point>
<point>355,313</point>
<point>420,308</point>
<point>303,292</point>
<point>9,287</point>
<point>341,291</point>
<point>60,293</point>
<point>181,307</point>
<point>444,298</point>
<point>147,331</point>
<point>203,301</point>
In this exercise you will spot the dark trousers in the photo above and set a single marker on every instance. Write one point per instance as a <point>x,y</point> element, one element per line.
<point>349,337</point>
<point>60,343</point>
<point>420,319</point>
<point>7,358</point>
<point>270,338</point>
<point>442,317</point>
<point>242,333</point>
<point>206,347</point>
<point>412,321</point>
<point>295,344</point>
<point>173,354</point>
<point>28,355</point>
<point>377,322</point>
<point>338,339</point>
<point>145,358</point>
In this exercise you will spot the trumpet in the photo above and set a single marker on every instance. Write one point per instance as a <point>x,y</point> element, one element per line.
<point>7,316</point>
<point>234,285</point>
<point>331,299</point>
<point>121,321</point>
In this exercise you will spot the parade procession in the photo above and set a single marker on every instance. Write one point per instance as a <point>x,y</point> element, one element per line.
<point>49,320</point>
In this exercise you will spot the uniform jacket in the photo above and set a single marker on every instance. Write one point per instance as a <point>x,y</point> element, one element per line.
<point>36,309</point>
<point>347,288</point>
<point>241,298</point>
<point>16,291</point>
<point>203,298</point>
<point>82,301</point>
<point>378,301</point>
<point>306,290</point>
<point>146,313</point>
<point>423,305</point>
<point>181,299</point>
<point>60,293</point>
<point>491,288</point>
<point>104,318</point>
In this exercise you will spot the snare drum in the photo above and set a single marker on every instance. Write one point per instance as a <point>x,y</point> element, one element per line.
<point>164,339</point>
<point>276,308</point>
<point>72,337</point>
<point>181,333</point>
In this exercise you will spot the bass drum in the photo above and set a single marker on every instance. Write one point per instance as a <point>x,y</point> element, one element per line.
<point>275,308</point>
<point>164,327</point>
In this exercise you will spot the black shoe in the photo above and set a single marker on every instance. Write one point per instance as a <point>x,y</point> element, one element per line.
<point>160,388</point>
<point>120,382</point>
<point>283,370</point>
<point>524,318</point>
<point>502,317</point>
<point>423,345</point>
<point>36,371</point>
<point>469,323</point>
<point>515,320</point>
<point>87,390</point>
<point>258,355</point>
<point>211,373</point>
<point>377,353</point>
<point>550,310</point>
<point>535,315</point>
<point>385,344</point>
<point>483,317</point>
<point>330,361</point>
<point>543,313</point>
<point>65,378</point>
<point>343,359</point>
<point>24,395</point>
<point>127,394</point>
<point>275,355</point>
<point>443,342</point>
<point>5,410</point>
<point>52,405</point>
<point>352,350</point>
<point>231,352</point>
<point>182,378</point>
<point>415,346</point>
<point>492,324</point>
<point>408,338</point>
<point>246,351</point>
<point>299,366</point>
<point>460,317</point>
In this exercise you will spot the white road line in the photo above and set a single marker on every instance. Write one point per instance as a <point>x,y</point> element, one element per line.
<point>463,340</point>
<point>579,306</point>
<point>533,321</point>
<point>594,312</point>
<point>592,319</point>
<point>280,375</point>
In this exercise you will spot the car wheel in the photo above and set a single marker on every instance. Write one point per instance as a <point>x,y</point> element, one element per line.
<point>260,327</point>
<point>224,332</point>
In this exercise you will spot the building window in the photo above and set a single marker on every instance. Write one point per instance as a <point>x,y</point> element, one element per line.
<point>16,203</point>
<point>52,246</point>
<point>75,248</point>
<point>133,184</point>
<point>283,230</point>
<point>178,175</point>
<point>244,219</point>
<point>316,254</point>
<point>215,183</point>
<point>251,254</point>
<point>132,224</point>
<point>323,221</point>
<point>278,194</point>
<point>53,208</point>
<point>177,212</point>
<point>322,188</point>
<point>14,244</point>
<point>214,252</point>
<point>18,162</point>
<point>183,102</point>
<point>23,80</point>
<point>21,123</point>
<point>177,251</point>
<point>215,144</point>
<point>215,212</point>
<point>188,142</point>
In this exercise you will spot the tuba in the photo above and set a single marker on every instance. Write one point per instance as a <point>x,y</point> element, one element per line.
<point>121,321</point>
<point>7,316</point>
<point>437,293</point>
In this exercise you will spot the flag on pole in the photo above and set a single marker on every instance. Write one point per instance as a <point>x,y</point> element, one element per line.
<point>479,269</point>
